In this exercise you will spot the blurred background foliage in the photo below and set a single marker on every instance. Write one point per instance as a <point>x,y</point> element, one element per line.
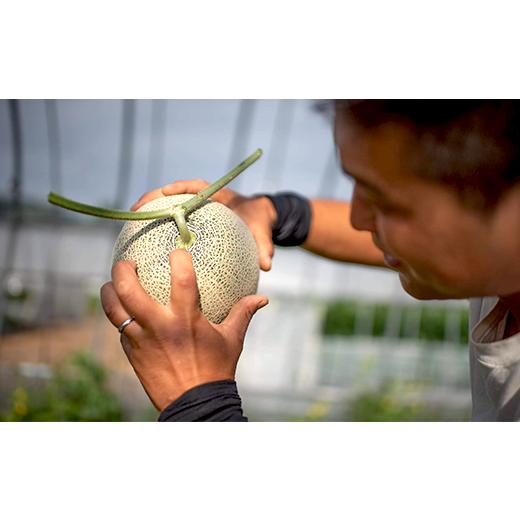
<point>343,318</point>
<point>77,391</point>
<point>390,403</point>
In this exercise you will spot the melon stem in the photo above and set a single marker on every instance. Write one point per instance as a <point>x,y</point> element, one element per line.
<point>177,212</point>
<point>186,237</point>
<point>181,211</point>
<point>199,199</point>
<point>114,214</point>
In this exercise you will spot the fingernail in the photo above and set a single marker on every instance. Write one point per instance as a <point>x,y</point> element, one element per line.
<point>263,303</point>
<point>266,261</point>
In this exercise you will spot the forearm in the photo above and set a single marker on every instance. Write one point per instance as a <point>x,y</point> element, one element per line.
<point>332,236</point>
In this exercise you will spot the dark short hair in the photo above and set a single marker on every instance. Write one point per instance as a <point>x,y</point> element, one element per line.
<point>472,145</point>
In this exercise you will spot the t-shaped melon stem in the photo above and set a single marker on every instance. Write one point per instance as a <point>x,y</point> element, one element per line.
<point>179,212</point>
<point>186,238</point>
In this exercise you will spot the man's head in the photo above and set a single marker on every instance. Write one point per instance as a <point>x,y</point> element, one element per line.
<point>437,183</point>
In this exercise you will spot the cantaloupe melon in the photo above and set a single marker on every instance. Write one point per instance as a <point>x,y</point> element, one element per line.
<point>223,249</point>
<point>224,254</point>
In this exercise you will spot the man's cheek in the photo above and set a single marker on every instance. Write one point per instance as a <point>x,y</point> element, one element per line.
<point>399,242</point>
<point>416,271</point>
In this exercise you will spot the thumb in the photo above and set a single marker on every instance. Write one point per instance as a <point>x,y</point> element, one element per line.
<point>264,242</point>
<point>240,315</point>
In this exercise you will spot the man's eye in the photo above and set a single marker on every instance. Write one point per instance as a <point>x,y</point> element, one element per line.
<point>391,209</point>
<point>381,206</point>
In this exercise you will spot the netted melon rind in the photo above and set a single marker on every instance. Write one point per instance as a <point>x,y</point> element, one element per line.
<point>224,254</point>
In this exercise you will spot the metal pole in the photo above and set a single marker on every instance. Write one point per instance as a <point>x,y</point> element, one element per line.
<point>15,213</point>
<point>239,146</point>
<point>125,153</point>
<point>279,144</point>
<point>157,141</point>
<point>55,180</point>
<point>53,132</point>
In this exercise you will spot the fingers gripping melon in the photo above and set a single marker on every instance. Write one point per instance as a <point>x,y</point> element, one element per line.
<point>224,254</point>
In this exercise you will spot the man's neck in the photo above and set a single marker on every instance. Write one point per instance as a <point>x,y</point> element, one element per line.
<point>513,322</point>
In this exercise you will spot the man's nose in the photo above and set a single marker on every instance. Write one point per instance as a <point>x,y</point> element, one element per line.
<point>361,213</point>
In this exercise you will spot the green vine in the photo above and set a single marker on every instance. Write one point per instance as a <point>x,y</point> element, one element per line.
<point>178,212</point>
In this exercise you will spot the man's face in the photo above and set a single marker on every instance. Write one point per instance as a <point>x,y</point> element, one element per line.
<point>424,230</point>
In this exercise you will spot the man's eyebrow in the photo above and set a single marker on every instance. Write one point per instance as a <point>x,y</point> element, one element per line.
<point>364,183</point>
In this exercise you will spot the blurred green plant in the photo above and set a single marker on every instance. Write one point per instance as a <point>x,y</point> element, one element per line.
<point>77,391</point>
<point>317,411</point>
<point>393,401</point>
<point>341,318</point>
<point>15,299</point>
<point>19,296</point>
<point>93,304</point>
<point>390,403</point>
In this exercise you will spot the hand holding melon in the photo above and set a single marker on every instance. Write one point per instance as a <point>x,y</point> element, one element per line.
<point>257,212</point>
<point>223,250</point>
<point>189,316</point>
<point>174,347</point>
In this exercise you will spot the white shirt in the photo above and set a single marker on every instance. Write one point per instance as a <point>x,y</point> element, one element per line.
<point>494,362</point>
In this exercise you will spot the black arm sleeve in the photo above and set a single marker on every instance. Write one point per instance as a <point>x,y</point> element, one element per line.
<point>215,402</point>
<point>293,218</point>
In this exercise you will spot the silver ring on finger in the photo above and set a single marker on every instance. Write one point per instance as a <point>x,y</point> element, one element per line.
<point>125,324</point>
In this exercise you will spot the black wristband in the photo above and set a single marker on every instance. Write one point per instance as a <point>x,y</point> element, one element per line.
<point>293,218</point>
